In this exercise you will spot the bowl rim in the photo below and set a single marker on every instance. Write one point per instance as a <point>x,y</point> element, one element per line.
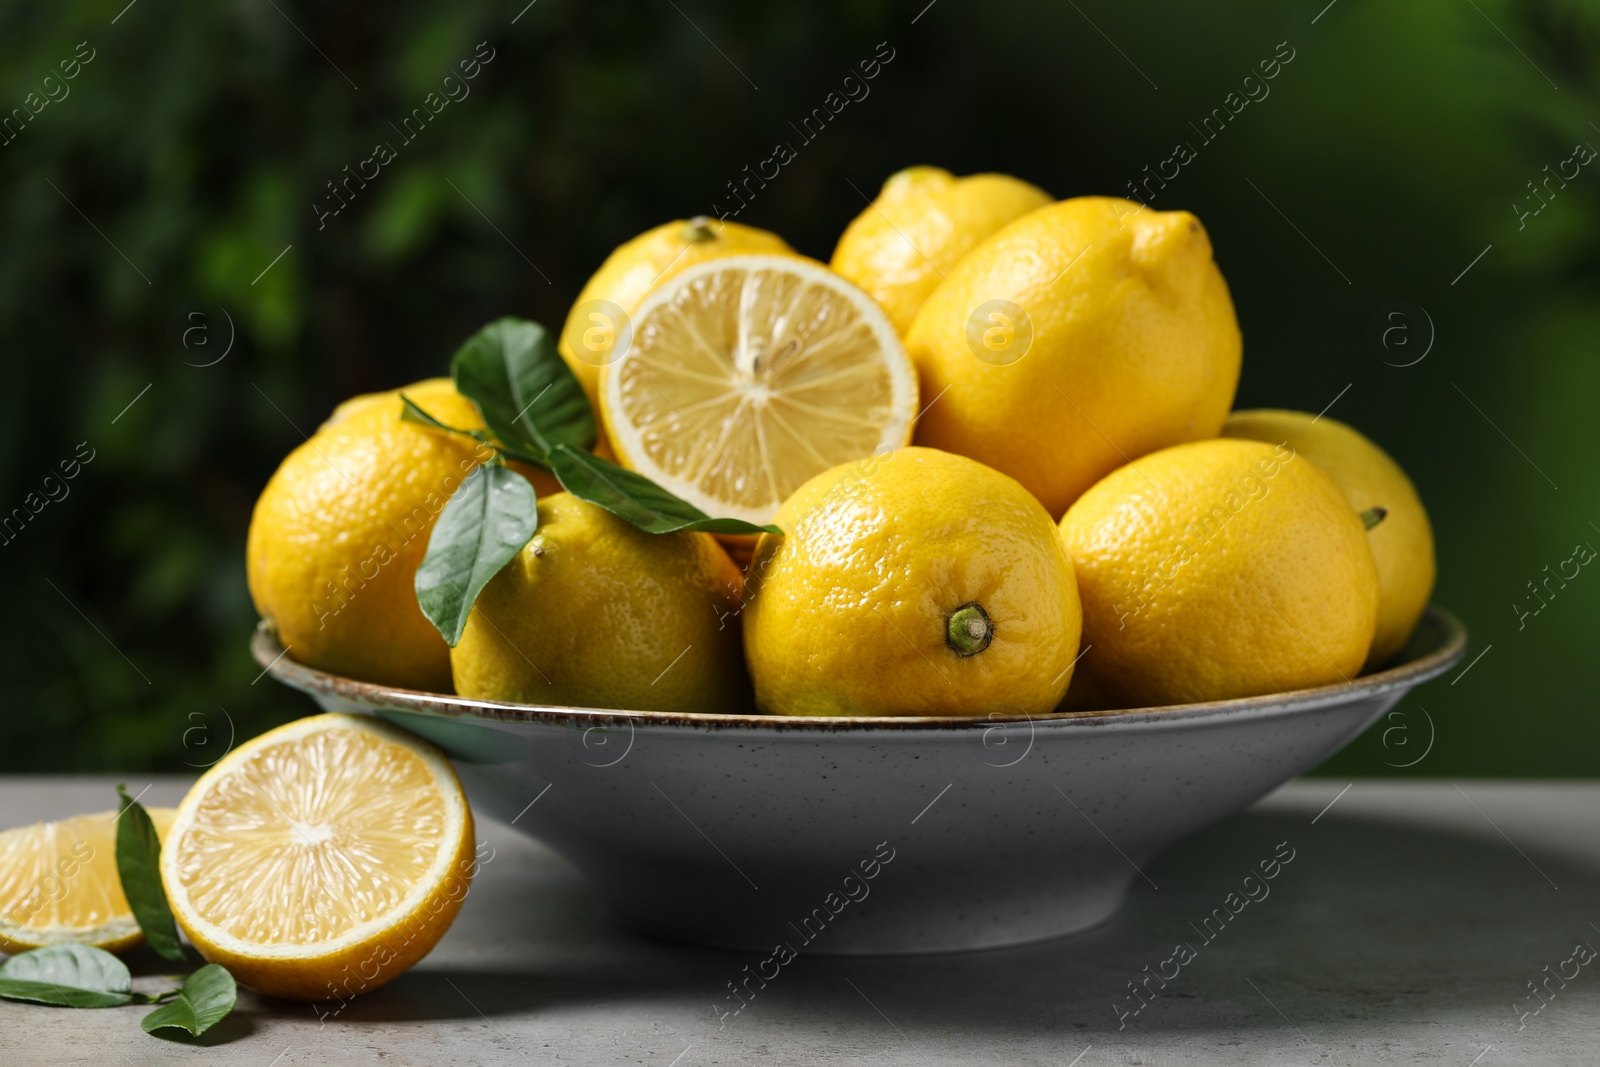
<point>1445,643</point>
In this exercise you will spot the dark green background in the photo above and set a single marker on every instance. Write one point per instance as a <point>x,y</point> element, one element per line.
<point>1397,141</point>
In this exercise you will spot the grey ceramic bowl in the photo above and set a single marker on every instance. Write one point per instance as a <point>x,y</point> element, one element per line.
<point>871,836</point>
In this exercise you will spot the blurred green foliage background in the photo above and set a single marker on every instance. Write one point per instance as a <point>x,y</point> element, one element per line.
<point>186,155</point>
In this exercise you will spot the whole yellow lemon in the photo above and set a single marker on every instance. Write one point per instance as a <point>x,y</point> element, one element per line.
<point>338,532</point>
<point>923,222</point>
<point>1401,542</point>
<point>1219,569</point>
<point>911,583</point>
<point>596,613</point>
<point>441,393</point>
<point>598,328</point>
<point>1083,335</point>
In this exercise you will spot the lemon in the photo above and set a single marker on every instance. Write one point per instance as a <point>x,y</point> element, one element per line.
<point>1401,543</point>
<point>338,532</point>
<point>1219,569</point>
<point>1083,335</point>
<point>596,613</point>
<point>59,884</point>
<point>913,583</point>
<point>590,338</point>
<point>430,387</point>
<point>923,222</point>
<point>321,859</point>
<point>750,374</point>
<point>435,395</point>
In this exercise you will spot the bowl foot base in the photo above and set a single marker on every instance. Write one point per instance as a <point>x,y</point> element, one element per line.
<point>902,926</point>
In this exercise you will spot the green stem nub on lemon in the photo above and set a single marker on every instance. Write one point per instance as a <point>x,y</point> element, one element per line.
<point>1372,516</point>
<point>969,630</point>
<point>698,229</point>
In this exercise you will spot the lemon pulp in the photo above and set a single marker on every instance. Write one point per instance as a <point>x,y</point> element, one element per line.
<point>336,845</point>
<point>748,375</point>
<point>304,841</point>
<point>59,884</point>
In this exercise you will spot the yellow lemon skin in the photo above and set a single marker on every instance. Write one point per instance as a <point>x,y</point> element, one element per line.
<point>1219,569</point>
<point>923,222</point>
<point>338,532</point>
<point>1115,337</point>
<point>595,613</point>
<point>59,884</point>
<point>635,268</point>
<point>441,393</point>
<point>848,613</point>
<point>1402,544</point>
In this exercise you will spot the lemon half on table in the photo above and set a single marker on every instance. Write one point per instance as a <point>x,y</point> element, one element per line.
<point>749,374</point>
<point>59,884</point>
<point>321,859</point>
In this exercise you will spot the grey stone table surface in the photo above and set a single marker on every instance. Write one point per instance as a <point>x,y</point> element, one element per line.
<point>1415,922</point>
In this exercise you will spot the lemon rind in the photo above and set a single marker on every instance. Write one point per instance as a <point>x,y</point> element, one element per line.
<point>114,932</point>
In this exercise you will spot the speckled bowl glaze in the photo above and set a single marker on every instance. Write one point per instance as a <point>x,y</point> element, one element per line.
<point>874,836</point>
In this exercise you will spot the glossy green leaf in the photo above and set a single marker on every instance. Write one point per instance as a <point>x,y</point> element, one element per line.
<point>527,394</point>
<point>487,520</point>
<point>208,995</point>
<point>411,412</point>
<point>139,867</point>
<point>69,976</point>
<point>636,498</point>
<point>60,996</point>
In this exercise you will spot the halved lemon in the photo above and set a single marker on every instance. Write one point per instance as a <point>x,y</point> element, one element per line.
<point>749,374</point>
<point>59,884</point>
<point>322,859</point>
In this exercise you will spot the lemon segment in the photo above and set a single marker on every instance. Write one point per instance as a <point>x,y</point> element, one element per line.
<point>748,375</point>
<point>321,859</point>
<point>59,884</point>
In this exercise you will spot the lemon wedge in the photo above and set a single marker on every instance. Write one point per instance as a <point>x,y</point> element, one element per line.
<point>747,375</point>
<point>321,859</point>
<point>59,884</point>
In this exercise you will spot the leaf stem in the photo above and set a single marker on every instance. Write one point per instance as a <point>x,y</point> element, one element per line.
<point>412,412</point>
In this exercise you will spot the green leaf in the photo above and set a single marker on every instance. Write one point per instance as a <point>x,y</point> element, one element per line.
<point>139,867</point>
<point>60,996</point>
<point>488,519</point>
<point>410,411</point>
<point>82,966</point>
<point>525,390</point>
<point>636,498</point>
<point>69,976</point>
<point>208,995</point>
